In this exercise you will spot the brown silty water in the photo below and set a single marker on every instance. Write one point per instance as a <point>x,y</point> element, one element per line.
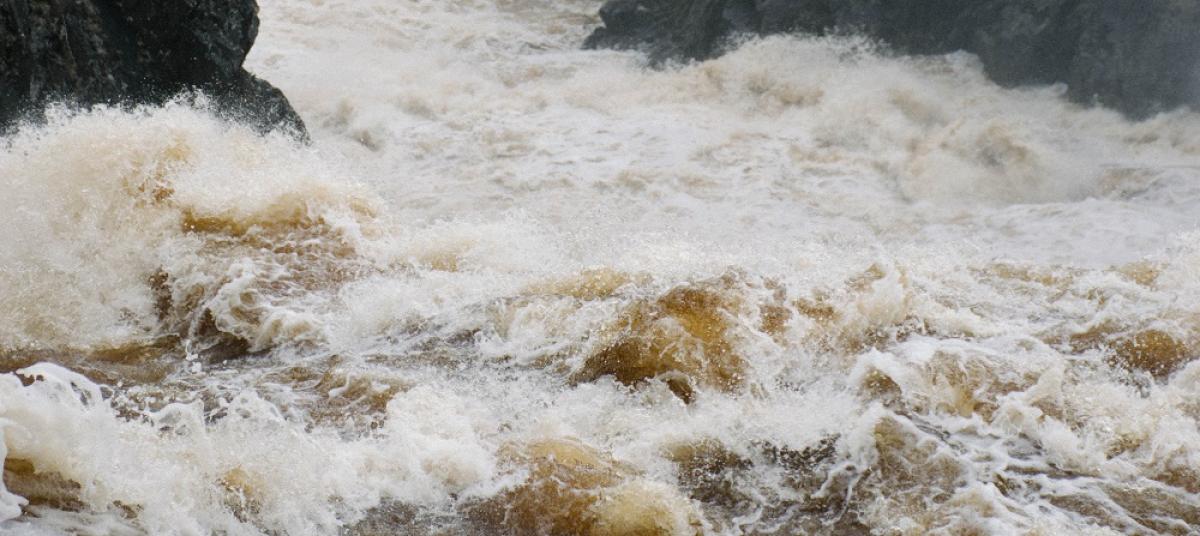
<point>517,288</point>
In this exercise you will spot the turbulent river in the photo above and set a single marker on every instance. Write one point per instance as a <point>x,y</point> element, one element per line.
<point>515,287</point>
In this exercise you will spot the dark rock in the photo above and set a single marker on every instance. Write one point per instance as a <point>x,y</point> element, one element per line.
<point>667,29</point>
<point>1137,56</point>
<point>119,52</point>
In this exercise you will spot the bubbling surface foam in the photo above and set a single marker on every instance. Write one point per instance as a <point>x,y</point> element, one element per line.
<point>514,287</point>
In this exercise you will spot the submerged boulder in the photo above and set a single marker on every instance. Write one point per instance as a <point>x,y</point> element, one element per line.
<point>88,52</point>
<point>1137,56</point>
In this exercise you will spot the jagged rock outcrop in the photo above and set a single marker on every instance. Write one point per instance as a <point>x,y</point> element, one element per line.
<point>1137,56</point>
<point>88,52</point>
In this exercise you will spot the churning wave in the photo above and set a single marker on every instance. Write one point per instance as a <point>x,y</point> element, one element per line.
<point>515,287</point>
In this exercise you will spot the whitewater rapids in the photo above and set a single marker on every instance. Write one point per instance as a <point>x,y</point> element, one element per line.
<point>514,287</point>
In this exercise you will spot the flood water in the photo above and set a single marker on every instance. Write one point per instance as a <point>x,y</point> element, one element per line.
<point>515,287</point>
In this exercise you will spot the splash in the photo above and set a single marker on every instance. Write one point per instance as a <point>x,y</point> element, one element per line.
<point>172,225</point>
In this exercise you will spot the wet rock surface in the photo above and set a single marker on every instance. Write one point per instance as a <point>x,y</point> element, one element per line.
<point>1139,57</point>
<point>120,52</point>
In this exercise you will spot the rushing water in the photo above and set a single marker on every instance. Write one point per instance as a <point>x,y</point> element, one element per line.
<point>514,287</point>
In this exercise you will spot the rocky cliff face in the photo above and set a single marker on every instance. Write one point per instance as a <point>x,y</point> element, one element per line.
<point>89,52</point>
<point>1137,56</point>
